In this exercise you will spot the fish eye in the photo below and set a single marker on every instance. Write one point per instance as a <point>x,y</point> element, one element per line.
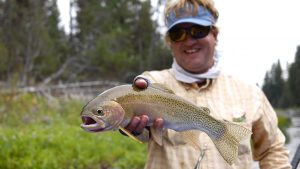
<point>100,112</point>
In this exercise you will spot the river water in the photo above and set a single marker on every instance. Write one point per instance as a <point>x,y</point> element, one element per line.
<point>294,133</point>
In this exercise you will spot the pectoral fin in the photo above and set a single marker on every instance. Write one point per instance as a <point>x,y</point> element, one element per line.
<point>130,135</point>
<point>156,134</point>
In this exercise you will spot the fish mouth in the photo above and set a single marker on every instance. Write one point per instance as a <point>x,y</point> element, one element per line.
<point>92,124</point>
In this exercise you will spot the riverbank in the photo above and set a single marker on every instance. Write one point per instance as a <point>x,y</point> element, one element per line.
<point>294,133</point>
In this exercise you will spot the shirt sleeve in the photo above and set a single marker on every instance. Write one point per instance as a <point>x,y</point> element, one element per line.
<point>268,140</point>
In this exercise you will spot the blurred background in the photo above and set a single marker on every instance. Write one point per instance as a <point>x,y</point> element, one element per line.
<point>55,55</point>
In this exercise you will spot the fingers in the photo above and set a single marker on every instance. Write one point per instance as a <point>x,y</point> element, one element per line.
<point>143,123</point>
<point>141,82</point>
<point>137,124</point>
<point>158,123</point>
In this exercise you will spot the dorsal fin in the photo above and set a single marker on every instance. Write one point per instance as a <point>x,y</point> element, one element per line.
<point>162,87</point>
<point>205,110</point>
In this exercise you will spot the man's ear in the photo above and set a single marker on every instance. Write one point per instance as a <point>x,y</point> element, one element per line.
<point>215,32</point>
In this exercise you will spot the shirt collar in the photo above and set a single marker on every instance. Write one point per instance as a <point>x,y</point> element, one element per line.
<point>198,86</point>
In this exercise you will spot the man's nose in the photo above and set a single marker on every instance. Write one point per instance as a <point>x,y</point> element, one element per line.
<point>189,40</point>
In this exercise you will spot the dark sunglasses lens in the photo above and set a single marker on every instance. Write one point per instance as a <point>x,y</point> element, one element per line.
<point>177,34</point>
<point>199,31</point>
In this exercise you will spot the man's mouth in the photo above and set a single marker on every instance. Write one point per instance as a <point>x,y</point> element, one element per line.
<point>90,124</point>
<point>191,51</point>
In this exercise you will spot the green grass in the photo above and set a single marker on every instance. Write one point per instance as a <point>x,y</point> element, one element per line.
<point>40,133</point>
<point>284,123</point>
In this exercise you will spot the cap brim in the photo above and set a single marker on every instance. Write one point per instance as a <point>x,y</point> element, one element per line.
<point>191,20</point>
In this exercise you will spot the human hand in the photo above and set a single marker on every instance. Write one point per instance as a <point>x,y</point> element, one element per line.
<point>138,123</point>
<point>141,82</point>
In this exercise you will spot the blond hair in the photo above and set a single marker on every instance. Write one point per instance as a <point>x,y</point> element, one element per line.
<point>176,5</point>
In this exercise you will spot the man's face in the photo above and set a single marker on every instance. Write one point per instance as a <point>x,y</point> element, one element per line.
<point>195,55</point>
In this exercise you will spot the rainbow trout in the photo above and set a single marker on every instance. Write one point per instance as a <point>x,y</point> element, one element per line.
<point>114,108</point>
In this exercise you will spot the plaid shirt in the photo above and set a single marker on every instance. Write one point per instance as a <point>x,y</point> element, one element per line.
<point>230,99</point>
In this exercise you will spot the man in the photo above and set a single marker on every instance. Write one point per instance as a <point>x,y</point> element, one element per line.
<point>196,76</point>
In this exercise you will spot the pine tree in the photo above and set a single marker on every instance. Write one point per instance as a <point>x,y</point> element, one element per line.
<point>294,80</point>
<point>31,40</point>
<point>118,37</point>
<point>274,84</point>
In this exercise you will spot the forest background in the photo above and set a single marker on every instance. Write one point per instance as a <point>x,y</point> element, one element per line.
<point>111,40</point>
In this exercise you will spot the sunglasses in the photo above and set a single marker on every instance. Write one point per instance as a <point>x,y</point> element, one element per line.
<point>178,34</point>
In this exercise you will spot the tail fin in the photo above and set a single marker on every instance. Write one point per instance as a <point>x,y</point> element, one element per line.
<point>228,143</point>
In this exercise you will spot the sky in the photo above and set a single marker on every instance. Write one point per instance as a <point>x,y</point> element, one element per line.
<point>254,34</point>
